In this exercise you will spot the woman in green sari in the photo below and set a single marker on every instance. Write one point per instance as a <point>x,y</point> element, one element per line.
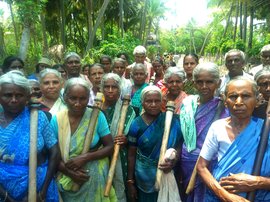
<point>88,170</point>
<point>111,88</point>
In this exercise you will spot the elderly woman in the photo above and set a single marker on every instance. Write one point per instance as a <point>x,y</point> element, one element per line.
<point>197,114</point>
<point>12,63</point>
<point>145,138</point>
<point>50,86</point>
<point>157,64</point>
<point>234,140</point>
<point>111,88</point>
<point>119,67</point>
<point>190,61</point>
<point>262,78</point>
<point>96,72</point>
<point>88,170</point>
<point>173,81</point>
<point>14,144</point>
<point>138,75</point>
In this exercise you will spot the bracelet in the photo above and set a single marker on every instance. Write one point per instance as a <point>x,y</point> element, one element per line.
<point>6,195</point>
<point>130,181</point>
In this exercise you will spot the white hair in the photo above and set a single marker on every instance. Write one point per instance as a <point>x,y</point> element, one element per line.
<point>139,50</point>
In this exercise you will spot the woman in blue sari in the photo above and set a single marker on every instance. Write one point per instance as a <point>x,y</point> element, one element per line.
<point>235,141</point>
<point>197,114</point>
<point>145,139</point>
<point>15,144</point>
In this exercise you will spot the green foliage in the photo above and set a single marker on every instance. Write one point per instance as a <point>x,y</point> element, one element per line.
<point>112,46</point>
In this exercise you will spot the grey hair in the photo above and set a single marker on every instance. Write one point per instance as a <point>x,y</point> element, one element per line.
<point>71,54</point>
<point>16,79</point>
<point>149,89</point>
<point>242,78</point>
<point>265,48</point>
<point>32,82</point>
<point>47,71</point>
<point>139,66</point>
<point>113,76</point>
<point>262,72</point>
<point>242,54</point>
<point>76,81</point>
<point>174,71</point>
<point>209,67</point>
<point>139,50</point>
<point>118,60</point>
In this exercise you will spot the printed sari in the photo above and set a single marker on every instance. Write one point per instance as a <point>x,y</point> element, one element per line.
<point>195,122</point>
<point>148,140</point>
<point>71,145</point>
<point>120,176</point>
<point>136,97</point>
<point>240,157</point>
<point>14,155</point>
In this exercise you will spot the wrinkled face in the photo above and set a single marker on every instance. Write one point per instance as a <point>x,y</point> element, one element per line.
<point>206,85</point>
<point>76,99</point>
<point>152,103</point>
<point>16,65</point>
<point>240,99</point>
<point>73,66</point>
<point>107,64</point>
<point>264,86</point>
<point>13,99</point>
<point>174,85</point>
<point>119,68</point>
<point>50,87</point>
<point>139,76</point>
<point>189,64</point>
<point>35,91</point>
<point>111,90</point>
<point>234,63</point>
<point>265,58</point>
<point>158,68</point>
<point>95,75</point>
<point>139,58</point>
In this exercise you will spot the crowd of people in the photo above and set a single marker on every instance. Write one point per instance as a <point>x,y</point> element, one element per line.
<point>214,131</point>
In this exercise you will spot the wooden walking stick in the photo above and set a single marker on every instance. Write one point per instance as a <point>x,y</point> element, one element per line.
<point>91,130</point>
<point>32,183</point>
<point>192,180</point>
<point>261,149</point>
<point>120,130</point>
<point>168,120</point>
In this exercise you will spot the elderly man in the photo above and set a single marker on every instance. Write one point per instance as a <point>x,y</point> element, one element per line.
<point>235,62</point>
<point>265,59</point>
<point>72,64</point>
<point>140,57</point>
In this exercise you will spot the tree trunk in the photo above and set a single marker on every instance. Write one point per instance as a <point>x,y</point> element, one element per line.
<point>13,23</point>
<point>142,27</point>
<point>97,23</point>
<point>89,9</point>
<point>2,43</point>
<point>236,21</point>
<point>251,28</point>
<point>241,19</point>
<point>63,24</point>
<point>24,40</point>
<point>121,17</point>
<point>43,28</point>
<point>228,21</point>
<point>245,23</point>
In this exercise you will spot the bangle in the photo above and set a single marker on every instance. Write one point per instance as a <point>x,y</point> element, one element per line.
<point>6,195</point>
<point>130,181</point>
